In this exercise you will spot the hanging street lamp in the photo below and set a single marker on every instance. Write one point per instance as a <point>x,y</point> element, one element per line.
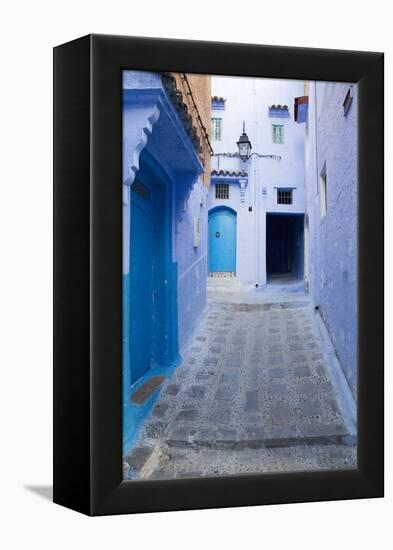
<point>244,145</point>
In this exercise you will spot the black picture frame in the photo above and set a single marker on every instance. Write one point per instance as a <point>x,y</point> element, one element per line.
<point>88,261</point>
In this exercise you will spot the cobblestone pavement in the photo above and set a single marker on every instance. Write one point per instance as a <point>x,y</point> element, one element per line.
<point>252,395</point>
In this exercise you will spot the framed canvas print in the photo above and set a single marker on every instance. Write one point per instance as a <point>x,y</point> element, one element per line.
<point>218,275</point>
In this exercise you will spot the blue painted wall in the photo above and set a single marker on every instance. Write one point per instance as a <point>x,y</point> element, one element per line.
<point>158,152</point>
<point>191,260</point>
<point>331,143</point>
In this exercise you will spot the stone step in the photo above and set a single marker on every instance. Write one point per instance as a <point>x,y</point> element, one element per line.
<point>182,435</point>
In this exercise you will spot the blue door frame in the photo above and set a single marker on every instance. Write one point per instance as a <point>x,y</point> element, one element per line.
<point>153,277</point>
<point>222,239</point>
<point>142,283</point>
<point>150,331</point>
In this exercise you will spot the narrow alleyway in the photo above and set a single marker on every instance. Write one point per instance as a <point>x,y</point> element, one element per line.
<point>253,394</point>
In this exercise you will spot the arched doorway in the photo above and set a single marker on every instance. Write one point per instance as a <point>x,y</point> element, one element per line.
<point>222,240</point>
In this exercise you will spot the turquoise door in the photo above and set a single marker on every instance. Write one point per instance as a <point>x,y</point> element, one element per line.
<point>141,280</point>
<point>222,240</point>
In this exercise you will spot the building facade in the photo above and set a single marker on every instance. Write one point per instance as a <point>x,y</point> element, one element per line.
<point>256,207</point>
<point>331,206</point>
<point>166,178</point>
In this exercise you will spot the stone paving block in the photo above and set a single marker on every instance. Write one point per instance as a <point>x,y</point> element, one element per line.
<point>229,377</point>
<point>316,356</point>
<point>219,340</point>
<point>224,393</point>
<point>238,342</point>
<point>252,437</point>
<point>302,370</point>
<point>187,414</point>
<point>254,372</point>
<point>180,434</point>
<point>281,435</point>
<point>296,346</point>
<point>333,406</point>
<point>297,357</point>
<point>221,416</point>
<point>252,419</point>
<point>308,388</point>
<point>155,430</point>
<point>277,372</point>
<point>227,437</point>
<point>215,349</point>
<point>233,365</point>
<point>321,431</point>
<point>196,391</point>
<point>206,436</point>
<point>281,413</point>
<point>139,457</point>
<point>311,408</point>
<point>321,371</point>
<point>203,375</point>
<point>252,401</point>
<point>312,345</point>
<point>160,409</point>
<point>201,338</point>
<point>275,359</point>
<point>278,390</point>
<point>255,357</point>
<point>210,361</point>
<point>172,389</point>
<point>275,347</point>
<point>327,387</point>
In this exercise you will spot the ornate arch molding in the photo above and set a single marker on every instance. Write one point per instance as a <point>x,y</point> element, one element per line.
<point>151,121</point>
<point>222,207</point>
<point>146,106</point>
<point>239,177</point>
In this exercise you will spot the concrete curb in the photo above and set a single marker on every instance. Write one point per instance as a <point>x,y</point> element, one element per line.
<point>344,395</point>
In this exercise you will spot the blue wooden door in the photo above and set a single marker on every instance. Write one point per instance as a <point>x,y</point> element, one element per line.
<point>141,280</point>
<point>222,240</point>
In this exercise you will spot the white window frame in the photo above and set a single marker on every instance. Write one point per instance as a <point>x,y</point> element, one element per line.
<point>274,134</point>
<point>216,129</point>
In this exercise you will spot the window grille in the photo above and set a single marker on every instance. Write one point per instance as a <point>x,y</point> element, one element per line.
<point>278,133</point>
<point>284,196</point>
<point>216,129</point>
<point>222,190</point>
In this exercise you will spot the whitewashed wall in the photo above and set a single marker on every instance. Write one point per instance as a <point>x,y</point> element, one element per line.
<point>248,99</point>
